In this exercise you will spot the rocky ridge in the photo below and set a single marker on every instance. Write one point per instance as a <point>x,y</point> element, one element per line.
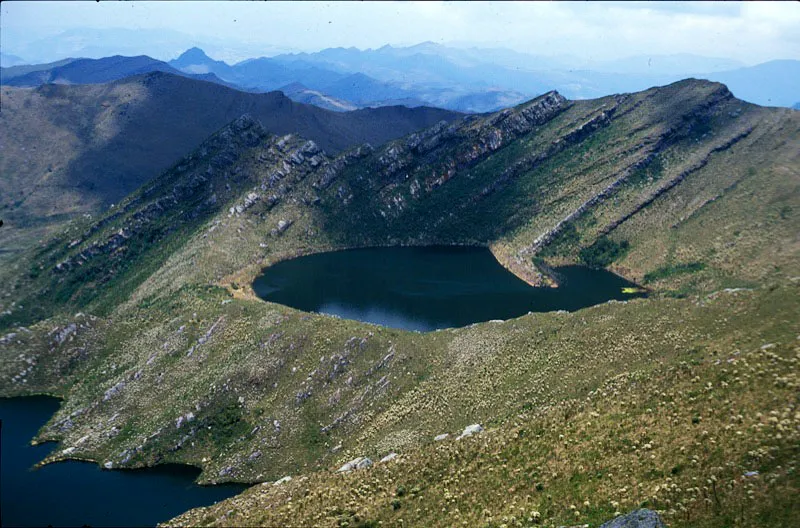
<point>253,391</point>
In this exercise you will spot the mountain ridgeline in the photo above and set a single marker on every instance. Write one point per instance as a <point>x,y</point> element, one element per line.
<point>92,71</point>
<point>144,321</point>
<point>76,149</point>
<point>550,178</point>
<point>428,74</point>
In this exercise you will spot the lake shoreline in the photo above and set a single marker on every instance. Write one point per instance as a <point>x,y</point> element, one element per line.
<point>44,489</point>
<point>426,288</point>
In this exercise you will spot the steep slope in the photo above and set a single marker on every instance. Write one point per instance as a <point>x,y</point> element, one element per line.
<point>70,150</point>
<point>172,359</point>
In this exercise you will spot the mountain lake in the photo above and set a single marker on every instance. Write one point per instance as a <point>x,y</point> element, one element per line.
<point>427,288</point>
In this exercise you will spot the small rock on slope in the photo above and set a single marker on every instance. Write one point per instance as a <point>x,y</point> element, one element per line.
<point>643,518</point>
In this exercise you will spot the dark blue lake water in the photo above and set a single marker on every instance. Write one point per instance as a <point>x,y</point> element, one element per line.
<point>80,493</point>
<point>426,288</point>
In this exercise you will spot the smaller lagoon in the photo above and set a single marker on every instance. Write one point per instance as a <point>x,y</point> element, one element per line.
<point>73,493</point>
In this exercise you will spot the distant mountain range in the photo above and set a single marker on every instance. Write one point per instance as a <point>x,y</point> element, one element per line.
<point>301,94</point>
<point>428,67</point>
<point>465,80</point>
<point>92,71</point>
<point>7,60</point>
<point>357,87</point>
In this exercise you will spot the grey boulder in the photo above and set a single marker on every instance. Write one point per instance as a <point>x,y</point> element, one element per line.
<point>643,518</point>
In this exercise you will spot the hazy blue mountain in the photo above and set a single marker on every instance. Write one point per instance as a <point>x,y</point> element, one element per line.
<point>6,74</point>
<point>307,81</point>
<point>417,64</point>
<point>302,94</point>
<point>195,60</point>
<point>429,67</point>
<point>267,74</point>
<point>774,83</point>
<point>480,102</point>
<point>362,89</point>
<point>471,56</point>
<point>7,60</point>
<point>428,72</point>
<point>677,64</point>
<point>162,44</point>
<point>96,71</point>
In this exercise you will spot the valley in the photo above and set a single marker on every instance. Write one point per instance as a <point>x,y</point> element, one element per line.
<point>143,320</point>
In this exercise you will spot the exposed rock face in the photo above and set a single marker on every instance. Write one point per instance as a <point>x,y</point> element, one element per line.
<point>353,464</point>
<point>388,458</point>
<point>356,463</point>
<point>364,463</point>
<point>62,334</point>
<point>113,391</point>
<point>643,518</point>
<point>470,430</point>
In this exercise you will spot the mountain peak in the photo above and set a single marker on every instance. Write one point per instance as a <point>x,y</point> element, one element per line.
<point>194,56</point>
<point>428,45</point>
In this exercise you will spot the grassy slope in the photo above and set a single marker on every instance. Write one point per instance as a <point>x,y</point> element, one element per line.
<point>269,381</point>
<point>674,428</point>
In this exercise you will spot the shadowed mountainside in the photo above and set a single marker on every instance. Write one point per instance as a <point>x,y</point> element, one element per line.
<point>70,150</point>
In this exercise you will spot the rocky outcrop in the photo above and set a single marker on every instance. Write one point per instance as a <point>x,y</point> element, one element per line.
<point>283,480</point>
<point>330,171</point>
<point>643,518</point>
<point>356,463</point>
<point>388,458</point>
<point>472,141</point>
<point>470,430</point>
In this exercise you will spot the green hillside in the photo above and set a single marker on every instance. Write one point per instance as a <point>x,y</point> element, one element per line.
<point>144,322</point>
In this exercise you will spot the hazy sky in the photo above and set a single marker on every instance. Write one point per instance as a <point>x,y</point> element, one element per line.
<point>750,32</point>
